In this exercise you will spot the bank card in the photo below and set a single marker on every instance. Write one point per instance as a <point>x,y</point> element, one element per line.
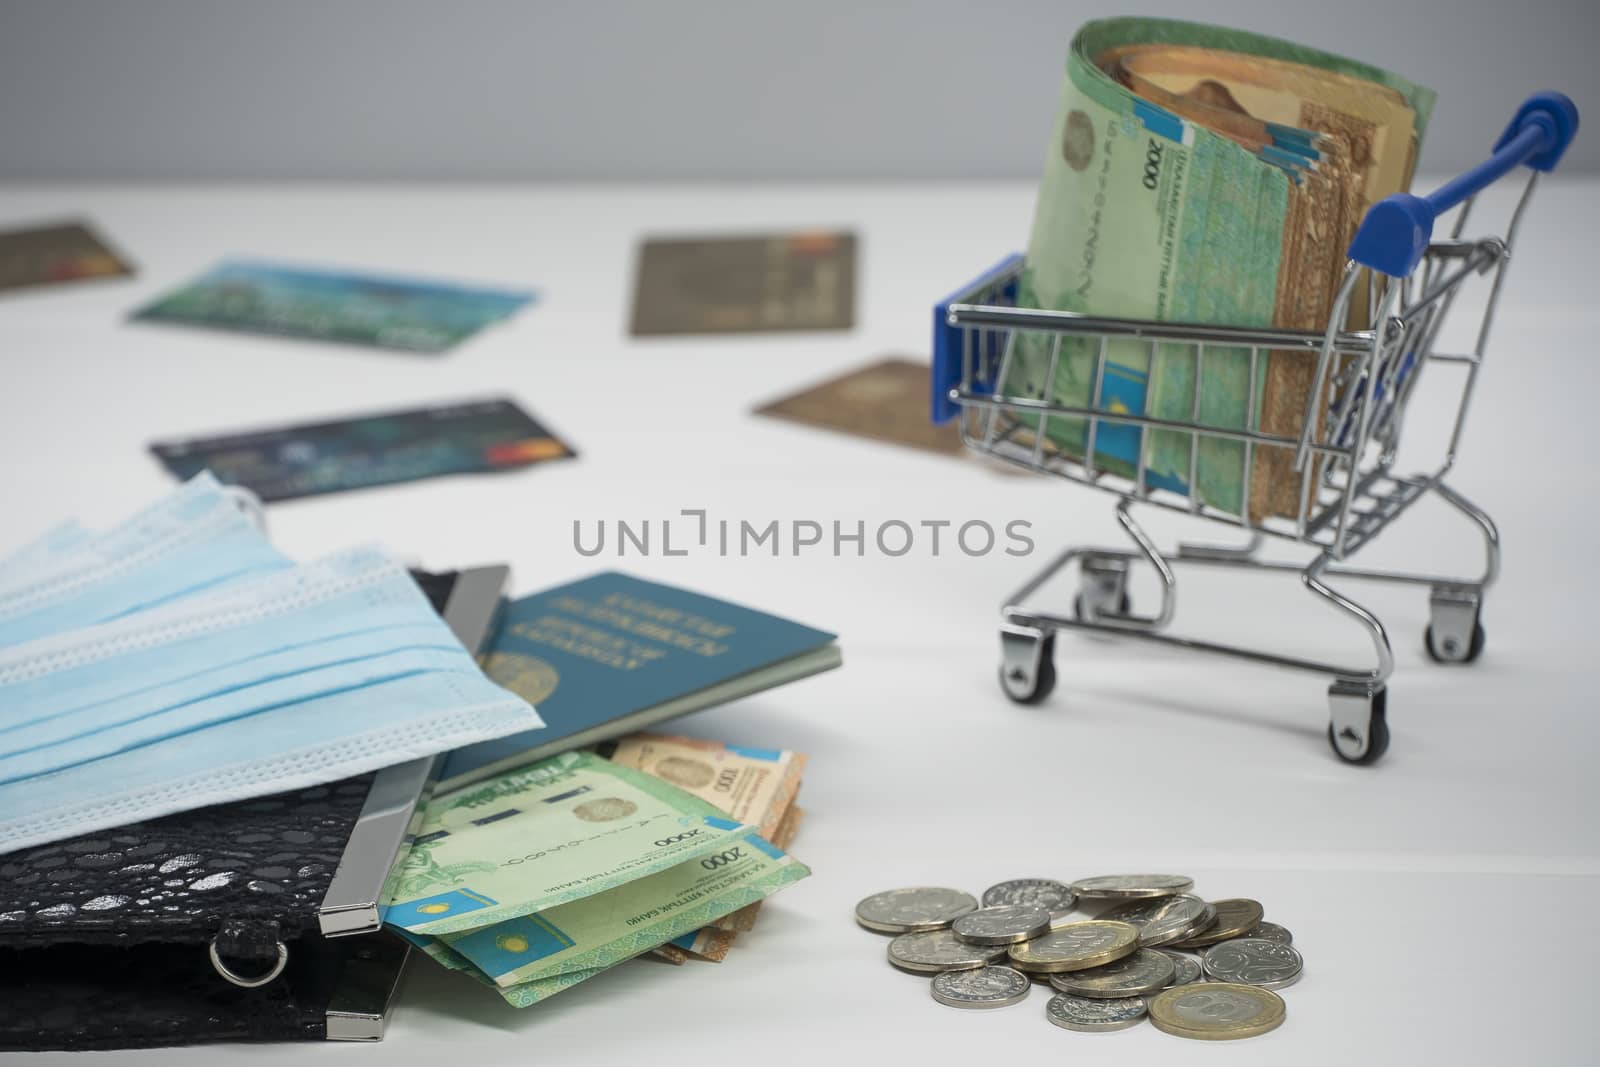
<point>50,255</point>
<point>313,458</point>
<point>884,401</point>
<point>361,309</point>
<point>745,284</point>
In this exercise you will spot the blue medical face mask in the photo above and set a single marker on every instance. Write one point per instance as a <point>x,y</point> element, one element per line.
<point>216,638</point>
<point>292,747</point>
<point>268,684</point>
<point>24,565</point>
<point>291,635</point>
<point>195,539</point>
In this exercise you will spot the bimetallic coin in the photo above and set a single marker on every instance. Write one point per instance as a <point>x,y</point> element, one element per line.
<point>1047,893</point>
<point>1265,931</point>
<point>1076,946</point>
<point>1188,968</point>
<point>902,911</point>
<point>1216,1011</point>
<point>1163,920</point>
<point>1131,886</point>
<point>1094,1016</point>
<point>1252,961</point>
<point>1005,924</point>
<point>1143,972</point>
<point>986,987</point>
<point>1235,918</point>
<point>933,951</point>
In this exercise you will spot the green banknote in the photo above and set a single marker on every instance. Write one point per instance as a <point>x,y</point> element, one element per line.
<point>557,831</point>
<point>1144,214</point>
<point>533,957</point>
<point>542,989</point>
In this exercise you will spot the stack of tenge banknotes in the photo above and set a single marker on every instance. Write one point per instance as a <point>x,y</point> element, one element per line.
<point>544,876</point>
<point>1203,175</point>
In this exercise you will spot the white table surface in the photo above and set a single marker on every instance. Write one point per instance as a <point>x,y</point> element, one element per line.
<point>1442,899</point>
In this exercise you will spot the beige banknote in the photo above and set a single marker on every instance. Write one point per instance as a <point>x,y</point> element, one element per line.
<point>1366,141</point>
<point>755,786</point>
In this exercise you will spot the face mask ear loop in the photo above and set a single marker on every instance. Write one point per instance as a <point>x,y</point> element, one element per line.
<point>248,503</point>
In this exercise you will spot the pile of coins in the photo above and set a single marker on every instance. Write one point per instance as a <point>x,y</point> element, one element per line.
<point>1136,958</point>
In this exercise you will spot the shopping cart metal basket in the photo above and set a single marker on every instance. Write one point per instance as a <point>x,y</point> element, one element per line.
<point>1362,381</point>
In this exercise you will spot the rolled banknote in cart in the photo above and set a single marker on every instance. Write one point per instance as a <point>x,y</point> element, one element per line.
<point>1204,175</point>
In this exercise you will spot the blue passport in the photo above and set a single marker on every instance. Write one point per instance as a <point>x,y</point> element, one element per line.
<point>610,655</point>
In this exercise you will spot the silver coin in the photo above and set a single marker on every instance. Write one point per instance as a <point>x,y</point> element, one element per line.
<point>1188,968</point>
<point>933,951</point>
<point>1049,894</point>
<point>986,987</point>
<point>1265,931</point>
<point>1143,972</point>
<point>1163,920</point>
<point>1089,1015</point>
<point>1131,886</point>
<point>1005,924</point>
<point>1251,961</point>
<point>902,911</point>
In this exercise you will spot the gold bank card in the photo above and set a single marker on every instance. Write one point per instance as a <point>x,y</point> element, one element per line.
<point>886,401</point>
<point>759,284</point>
<point>50,255</point>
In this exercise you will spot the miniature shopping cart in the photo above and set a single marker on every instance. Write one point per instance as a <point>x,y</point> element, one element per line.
<point>1348,492</point>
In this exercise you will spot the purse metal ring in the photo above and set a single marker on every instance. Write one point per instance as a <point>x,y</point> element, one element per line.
<point>240,980</point>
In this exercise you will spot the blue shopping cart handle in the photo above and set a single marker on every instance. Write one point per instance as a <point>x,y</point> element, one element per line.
<point>1394,236</point>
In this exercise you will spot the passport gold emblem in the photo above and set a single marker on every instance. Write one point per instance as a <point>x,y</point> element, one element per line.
<point>530,677</point>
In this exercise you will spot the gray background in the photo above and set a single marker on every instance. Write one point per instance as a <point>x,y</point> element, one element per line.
<point>636,89</point>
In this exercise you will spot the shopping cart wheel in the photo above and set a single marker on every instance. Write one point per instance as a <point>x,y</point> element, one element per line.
<point>1452,649</point>
<point>1124,608</point>
<point>1027,663</point>
<point>1455,632</point>
<point>1102,588</point>
<point>1359,730</point>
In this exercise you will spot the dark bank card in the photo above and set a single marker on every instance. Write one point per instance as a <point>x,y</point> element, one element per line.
<point>402,446</point>
<point>779,282</point>
<point>886,401</point>
<point>48,255</point>
<point>378,311</point>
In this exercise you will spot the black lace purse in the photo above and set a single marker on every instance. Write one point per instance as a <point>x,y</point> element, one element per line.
<point>255,920</point>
